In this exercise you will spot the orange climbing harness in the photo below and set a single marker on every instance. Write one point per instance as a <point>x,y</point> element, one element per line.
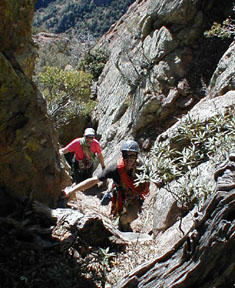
<point>128,191</point>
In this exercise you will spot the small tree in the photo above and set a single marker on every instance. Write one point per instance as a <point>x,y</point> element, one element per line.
<point>67,93</point>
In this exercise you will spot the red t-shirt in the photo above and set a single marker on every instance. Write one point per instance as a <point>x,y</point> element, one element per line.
<point>76,147</point>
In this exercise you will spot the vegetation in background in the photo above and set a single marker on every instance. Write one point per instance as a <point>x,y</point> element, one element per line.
<point>78,17</point>
<point>42,3</point>
<point>59,51</point>
<point>196,142</point>
<point>93,62</point>
<point>66,92</point>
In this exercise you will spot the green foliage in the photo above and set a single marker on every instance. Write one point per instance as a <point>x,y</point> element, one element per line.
<point>224,30</point>
<point>94,61</point>
<point>104,258</point>
<point>67,93</point>
<point>196,143</point>
<point>98,265</point>
<point>77,17</point>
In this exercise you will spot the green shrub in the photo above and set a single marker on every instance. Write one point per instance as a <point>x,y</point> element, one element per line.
<point>224,30</point>
<point>94,61</point>
<point>196,143</point>
<point>67,93</point>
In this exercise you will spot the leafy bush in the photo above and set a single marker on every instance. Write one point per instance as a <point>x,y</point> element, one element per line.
<point>67,93</point>
<point>224,30</point>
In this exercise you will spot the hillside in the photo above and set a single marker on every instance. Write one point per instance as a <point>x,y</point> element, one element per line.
<point>78,18</point>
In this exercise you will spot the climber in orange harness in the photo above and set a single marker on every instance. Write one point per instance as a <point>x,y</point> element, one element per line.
<point>127,198</point>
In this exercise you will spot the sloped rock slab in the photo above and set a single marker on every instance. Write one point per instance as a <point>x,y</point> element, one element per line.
<point>92,228</point>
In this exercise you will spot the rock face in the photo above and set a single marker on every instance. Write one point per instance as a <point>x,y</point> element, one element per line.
<point>156,70</point>
<point>167,209</point>
<point>29,160</point>
<point>16,20</point>
<point>160,68</point>
<point>203,258</point>
<point>223,79</point>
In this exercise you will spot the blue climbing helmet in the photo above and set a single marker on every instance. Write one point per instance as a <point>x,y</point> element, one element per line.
<point>130,145</point>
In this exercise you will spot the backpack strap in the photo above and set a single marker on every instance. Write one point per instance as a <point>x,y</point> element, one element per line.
<point>86,149</point>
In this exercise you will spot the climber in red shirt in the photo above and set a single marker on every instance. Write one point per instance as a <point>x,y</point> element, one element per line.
<point>85,150</point>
